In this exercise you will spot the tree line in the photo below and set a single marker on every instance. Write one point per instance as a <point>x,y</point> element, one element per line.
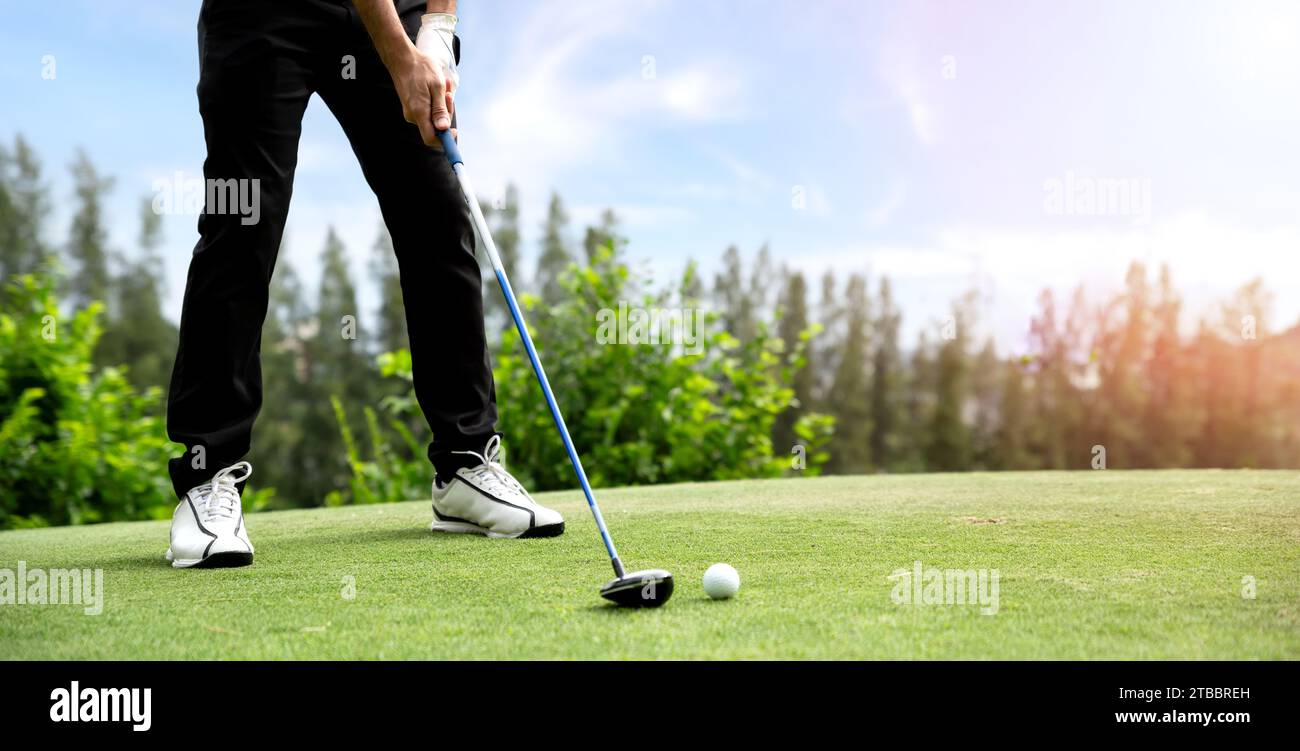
<point>1113,382</point>
<point>1118,378</point>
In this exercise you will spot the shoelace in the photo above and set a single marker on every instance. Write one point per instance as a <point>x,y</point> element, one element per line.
<point>491,473</point>
<point>222,496</point>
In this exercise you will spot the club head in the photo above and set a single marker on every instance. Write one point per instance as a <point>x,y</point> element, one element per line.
<point>640,589</point>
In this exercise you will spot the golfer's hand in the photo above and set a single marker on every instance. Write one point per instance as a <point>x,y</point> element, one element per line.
<point>427,93</point>
<point>426,83</point>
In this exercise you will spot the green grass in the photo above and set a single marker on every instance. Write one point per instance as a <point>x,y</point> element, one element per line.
<point>1093,565</point>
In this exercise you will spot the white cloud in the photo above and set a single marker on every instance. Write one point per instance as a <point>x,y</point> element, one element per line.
<point>559,106</point>
<point>554,115</point>
<point>565,95</point>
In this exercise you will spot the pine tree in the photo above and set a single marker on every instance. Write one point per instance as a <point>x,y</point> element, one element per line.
<point>1255,443</point>
<point>288,324</point>
<point>1235,405</point>
<point>1122,348</point>
<point>137,333</point>
<point>920,403</point>
<point>1013,421</point>
<point>555,257</point>
<point>948,441</point>
<point>504,223</point>
<point>825,358</point>
<point>761,280</point>
<point>601,235</point>
<point>88,239</point>
<point>1171,419</point>
<point>692,285</point>
<point>285,452</point>
<point>887,383</point>
<point>340,359</point>
<point>24,206</point>
<point>390,318</point>
<point>850,393</point>
<point>1058,436</point>
<point>505,232</point>
<point>339,363</point>
<point>791,330</point>
<point>986,399</point>
<point>732,296</point>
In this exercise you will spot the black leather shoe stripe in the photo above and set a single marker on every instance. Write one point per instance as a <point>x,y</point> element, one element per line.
<point>205,531</point>
<point>445,518</point>
<point>202,528</point>
<point>532,517</point>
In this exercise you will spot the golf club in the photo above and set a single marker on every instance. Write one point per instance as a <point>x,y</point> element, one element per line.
<point>650,588</point>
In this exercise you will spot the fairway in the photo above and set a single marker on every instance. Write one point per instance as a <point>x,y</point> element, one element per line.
<point>1092,565</point>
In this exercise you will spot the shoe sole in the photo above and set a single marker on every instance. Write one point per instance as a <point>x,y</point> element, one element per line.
<point>228,559</point>
<point>465,528</point>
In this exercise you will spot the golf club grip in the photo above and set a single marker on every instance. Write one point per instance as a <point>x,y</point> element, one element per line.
<point>449,147</point>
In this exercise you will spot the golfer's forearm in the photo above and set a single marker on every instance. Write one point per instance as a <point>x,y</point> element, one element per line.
<point>385,29</point>
<point>441,6</point>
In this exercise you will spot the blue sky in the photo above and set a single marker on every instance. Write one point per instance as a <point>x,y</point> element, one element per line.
<point>923,136</point>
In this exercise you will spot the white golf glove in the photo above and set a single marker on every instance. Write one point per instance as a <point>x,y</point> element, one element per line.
<point>435,40</point>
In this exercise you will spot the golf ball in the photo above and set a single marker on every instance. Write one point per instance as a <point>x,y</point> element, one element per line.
<point>721,581</point>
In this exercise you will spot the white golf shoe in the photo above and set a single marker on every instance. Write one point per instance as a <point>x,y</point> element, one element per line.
<point>486,500</point>
<point>208,524</point>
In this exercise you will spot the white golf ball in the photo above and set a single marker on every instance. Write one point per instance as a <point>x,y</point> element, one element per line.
<point>721,581</point>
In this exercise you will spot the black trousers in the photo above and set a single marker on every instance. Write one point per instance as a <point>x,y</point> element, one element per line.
<point>260,62</point>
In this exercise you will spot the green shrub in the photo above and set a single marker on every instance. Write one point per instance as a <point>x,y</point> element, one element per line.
<point>642,413</point>
<point>638,413</point>
<point>76,446</point>
<point>395,471</point>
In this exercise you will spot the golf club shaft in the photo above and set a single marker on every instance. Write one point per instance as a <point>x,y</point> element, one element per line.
<point>480,223</point>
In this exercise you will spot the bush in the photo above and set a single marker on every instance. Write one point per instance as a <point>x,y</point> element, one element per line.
<point>396,471</point>
<point>638,413</point>
<point>76,446</point>
<point>642,413</point>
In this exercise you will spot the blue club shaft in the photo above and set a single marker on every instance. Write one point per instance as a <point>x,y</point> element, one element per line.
<point>480,223</point>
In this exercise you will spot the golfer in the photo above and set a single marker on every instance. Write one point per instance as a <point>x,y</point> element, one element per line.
<point>387,70</point>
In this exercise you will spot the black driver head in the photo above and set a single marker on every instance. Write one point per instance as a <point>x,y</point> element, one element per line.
<point>640,589</point>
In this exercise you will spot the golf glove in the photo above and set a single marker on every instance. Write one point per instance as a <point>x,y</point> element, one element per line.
<point>436,39</point>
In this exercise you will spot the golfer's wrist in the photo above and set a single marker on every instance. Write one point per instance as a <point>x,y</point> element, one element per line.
<point>395,48</point>
<point>399,57</point>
